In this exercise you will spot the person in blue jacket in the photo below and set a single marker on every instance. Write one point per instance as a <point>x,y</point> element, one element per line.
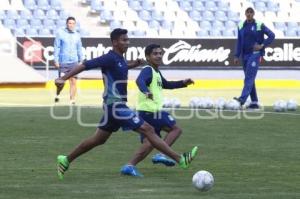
<point>250,48</point>
<point>68,53</point>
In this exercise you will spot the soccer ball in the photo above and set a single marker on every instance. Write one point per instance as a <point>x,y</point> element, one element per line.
<point>280,106</point>
<point>203,180</point>
<point>291,105</point>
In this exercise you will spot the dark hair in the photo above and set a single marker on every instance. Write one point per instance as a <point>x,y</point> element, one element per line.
<point>149,48</point>
<point>70,18</point>
<point>116,33</point>
<point>249,9</point>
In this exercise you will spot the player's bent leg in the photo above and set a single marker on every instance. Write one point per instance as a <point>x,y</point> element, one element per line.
<point>172,135</point>
<point>98,138</point>
<point>141,153</point>
<point>63,162</point>
<point>157,142</point>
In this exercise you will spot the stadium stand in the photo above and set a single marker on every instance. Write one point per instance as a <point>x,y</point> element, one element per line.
<point>164,18</point>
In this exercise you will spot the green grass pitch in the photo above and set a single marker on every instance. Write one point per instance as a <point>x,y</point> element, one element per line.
<point>249,158</point>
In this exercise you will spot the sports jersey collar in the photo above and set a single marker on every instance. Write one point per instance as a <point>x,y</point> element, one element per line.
<point>113,52</point>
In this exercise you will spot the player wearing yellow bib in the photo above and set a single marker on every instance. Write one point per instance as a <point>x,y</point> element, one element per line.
<point>150,83</point>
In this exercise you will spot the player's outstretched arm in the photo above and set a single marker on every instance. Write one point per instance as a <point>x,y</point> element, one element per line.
<point>60,82</point>
<point>136,63</point>
<point>188,82</point>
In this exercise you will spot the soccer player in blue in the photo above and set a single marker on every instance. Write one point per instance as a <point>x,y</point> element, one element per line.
<point>250,46</point>
<point>150,83</point>
<point>116,113</point>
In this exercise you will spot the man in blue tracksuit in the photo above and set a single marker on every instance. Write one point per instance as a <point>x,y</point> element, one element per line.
<point>250,47</point>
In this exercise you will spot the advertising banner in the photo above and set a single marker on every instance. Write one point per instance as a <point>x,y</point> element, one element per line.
<point>178,53</point>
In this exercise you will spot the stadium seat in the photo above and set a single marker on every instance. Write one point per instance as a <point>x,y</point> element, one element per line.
<point>171,15</point>
<point>152,33</point>
<point>38,14</point>
<point>168,25</point>
<point>233,16</point>
<point>44,32</point>
<point>280,26</point>
<point>106,16</point>
<point>292,25</point>
<point>25,14</point>
<point>165,33</point>
<point>96,6</point>
<point>2,14</point>
<point>291,33</point>
<point>260,6</point>
<point>60,23</point>
<point>135,5</point>
<point>228,33</point>
<point>202,33</point>
<point>157,15</point>
<point>272,6</point>
<point>115,24</point>
<point>129,25</point>
<point>195,15</point>
<point>198,5</point>
<point>110,5</point>
<point>12,14</point>
<point>215,32</point>
<point>230,25</point>
<point>205,25</point>
<point>52,14</point>
<point>49,23</point>
<point>35,23</point>
<point>153,24</point>
<point>145,15</point>
<point>43,4</point>
<point>142,25</point>
<point>147,5</point>
<point>223,6</point>
<point>177,33</point>
<point>22,23</point>
<point>9,23</point>
<point>19,32</point>
<point>139,33</point>
<point>30,4</point>
<point>55,4</point>
<point>83,32</point>
<point>32,32</point>
<point>210,5</point>
<point>218,25</point>
<point>220,15</point>
<point>63,14</point>
<point>185,5</point>
<point>208,15</point>
<point>119,15</point>
<point>131,15</point>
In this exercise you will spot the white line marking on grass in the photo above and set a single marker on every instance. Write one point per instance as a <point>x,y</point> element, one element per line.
<point>12,105</point>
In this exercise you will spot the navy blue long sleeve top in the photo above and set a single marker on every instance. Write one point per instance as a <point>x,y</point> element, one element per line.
<point>145,77</point>
<point>248,36</point>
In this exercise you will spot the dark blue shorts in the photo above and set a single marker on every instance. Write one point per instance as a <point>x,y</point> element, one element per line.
<point>65,68</point>
<point>118,115</point>
<point>157,120</point>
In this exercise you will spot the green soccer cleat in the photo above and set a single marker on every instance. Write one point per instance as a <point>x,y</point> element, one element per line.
<point>187,158</point>
<point>62,166</point>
